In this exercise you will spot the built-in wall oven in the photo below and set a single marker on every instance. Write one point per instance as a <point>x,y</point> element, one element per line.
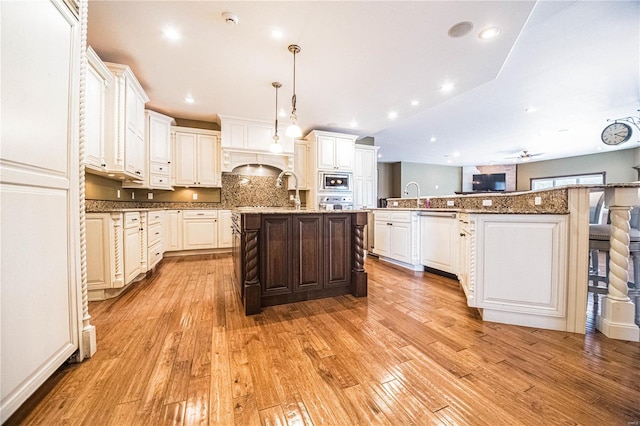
<point>335,182</point>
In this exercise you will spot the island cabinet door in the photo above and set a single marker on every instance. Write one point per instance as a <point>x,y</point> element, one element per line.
<point>307,252</point>
<point>275,254</point>
<point>337,249</point>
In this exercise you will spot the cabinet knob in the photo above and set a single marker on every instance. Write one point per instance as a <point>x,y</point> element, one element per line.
<point>462,234</point>
<point>168,162</point>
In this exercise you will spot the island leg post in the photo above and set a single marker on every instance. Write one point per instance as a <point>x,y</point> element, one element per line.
<point>252,288</point>
<point>358,274</point>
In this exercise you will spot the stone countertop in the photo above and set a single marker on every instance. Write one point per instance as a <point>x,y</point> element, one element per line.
<point>470,211</point>
<point>284,210</point>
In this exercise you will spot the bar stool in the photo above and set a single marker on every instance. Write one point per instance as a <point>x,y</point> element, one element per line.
<point>599,236</point>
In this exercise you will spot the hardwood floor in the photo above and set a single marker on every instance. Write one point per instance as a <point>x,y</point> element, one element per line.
<point>175,349</point>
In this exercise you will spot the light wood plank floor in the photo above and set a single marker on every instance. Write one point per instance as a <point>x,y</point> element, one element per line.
<point>175,349</point>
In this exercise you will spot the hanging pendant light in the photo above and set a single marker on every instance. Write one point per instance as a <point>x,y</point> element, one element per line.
<point>293,131</point>
<point>275,146</point>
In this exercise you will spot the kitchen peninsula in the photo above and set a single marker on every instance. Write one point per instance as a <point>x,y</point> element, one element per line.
<point>283,256</point>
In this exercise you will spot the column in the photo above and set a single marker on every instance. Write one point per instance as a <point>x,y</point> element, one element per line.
<point>617,316</point>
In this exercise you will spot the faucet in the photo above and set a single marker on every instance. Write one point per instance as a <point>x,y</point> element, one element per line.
<point>296,200</point>
<point>406,191</point>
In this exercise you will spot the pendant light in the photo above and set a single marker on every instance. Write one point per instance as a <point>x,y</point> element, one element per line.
<point>293,131</point>
<point>275,146</point>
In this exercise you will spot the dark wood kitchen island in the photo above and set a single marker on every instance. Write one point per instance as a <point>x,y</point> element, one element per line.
<point>283,256</point>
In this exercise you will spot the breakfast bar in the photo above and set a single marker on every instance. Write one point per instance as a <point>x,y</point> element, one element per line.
<point>283,256</point>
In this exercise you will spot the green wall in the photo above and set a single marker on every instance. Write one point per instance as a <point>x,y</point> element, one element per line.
<point>618,166</point>
<point>433,179</point>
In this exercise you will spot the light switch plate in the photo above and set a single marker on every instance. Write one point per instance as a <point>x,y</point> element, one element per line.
<point>150,195</point>
<point>395,204</point>
<point>486,202</point>
<point>450,203</point>
<point>537,201</point>
<point>195,196</point>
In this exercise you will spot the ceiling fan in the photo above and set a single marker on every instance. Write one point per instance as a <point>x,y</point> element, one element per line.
<point>524,156</point>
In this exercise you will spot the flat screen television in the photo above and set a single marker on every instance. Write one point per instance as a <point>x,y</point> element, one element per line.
<point>490,182</point>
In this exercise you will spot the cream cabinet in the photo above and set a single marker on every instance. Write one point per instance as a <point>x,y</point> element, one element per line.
<point>300,165</point>
<point>334,151</point>
<point>133,246</point>
<point>172,232</point>
<point>158,133</point>
<point>125,144</point>
<point>365,173</point>
<point>439,238</point>
<point>252,135</point>
<point>200,229</point>
<point>396,237</point>
<point>224,229</point>
<point>196,154</point>
<point>98,79</point>
<point>104,254</point>
<point>155,237</point>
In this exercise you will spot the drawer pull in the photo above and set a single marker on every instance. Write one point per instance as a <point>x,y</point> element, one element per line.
<point>134,219</point>
<point>200,214</point>
<point>157,233</point>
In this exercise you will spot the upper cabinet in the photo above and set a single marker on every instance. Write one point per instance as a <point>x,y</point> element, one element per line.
<point>196,157</point>
<point>365,173</point>
<point>99,78</point>
<point>158,133</point>
<point>252,135</point>
<point>334,151</point>
<point>125,144</point>
<point>300,165</point>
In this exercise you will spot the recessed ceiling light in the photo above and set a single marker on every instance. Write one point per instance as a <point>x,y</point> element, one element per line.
<point>449,161</point>
<point>189,99</point>
<point>489,33</point>
<point>172,33</point>
<point>277,34</point>
<point>460,29</point>
<point>393,115</point>
<point>456,154</point>
<point>353,124</point>
<point>447,86</point>
<point>415,102</point>
<point>433,139</point>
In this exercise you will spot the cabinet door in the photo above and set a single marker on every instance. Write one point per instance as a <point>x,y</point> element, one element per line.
<point>300,166</point>
<point>308,253</point>
<point>134,147</point>
<point>337,255</point>
<point>94,122</point>
<point>344,154</point>
<point>172,234</point>
<point>275,255</point>
<point>224,229</point>
<point>98,251</point>
<point>159,140</point>
<point>400,242</point>
<point>132,250</point>
<point>381,237</point>
<point>185,159</point>
<point>326,152</point>
<point>206,161</point>
<point>200,234</point>
<point>259,137</point>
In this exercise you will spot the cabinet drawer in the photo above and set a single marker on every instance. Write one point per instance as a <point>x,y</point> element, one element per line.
<point>154,217</point>
<point>154,254</point>
<point>380,215</point>
<point>160,169</point>
<point>131,219</point>
<point>200,214</point>
<point>159,181</point>
<point>154,234</point>
<point>401,216</point>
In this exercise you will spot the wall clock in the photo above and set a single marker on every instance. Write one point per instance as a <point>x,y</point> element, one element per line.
<point>616,133</point>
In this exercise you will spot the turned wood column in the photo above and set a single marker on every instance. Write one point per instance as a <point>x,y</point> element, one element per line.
<point>358,274</point>
<point>617,315</point>
<point>252,289</point>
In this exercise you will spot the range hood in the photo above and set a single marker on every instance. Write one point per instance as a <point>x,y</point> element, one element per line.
<point>232,158</point>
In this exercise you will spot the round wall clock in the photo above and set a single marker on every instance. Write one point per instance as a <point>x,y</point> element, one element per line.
<point>616,133</point>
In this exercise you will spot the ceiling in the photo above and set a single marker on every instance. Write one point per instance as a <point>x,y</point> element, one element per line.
<point>574,64</point>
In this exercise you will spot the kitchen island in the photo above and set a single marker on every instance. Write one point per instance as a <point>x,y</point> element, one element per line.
<point>283,256</point>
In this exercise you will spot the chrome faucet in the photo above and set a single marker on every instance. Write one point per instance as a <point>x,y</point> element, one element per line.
<point>406,191</point>
<point>296,200</point>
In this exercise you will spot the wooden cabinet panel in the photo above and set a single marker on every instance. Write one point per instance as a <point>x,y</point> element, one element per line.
<point>185,151</point>
<point>200,234</point>
<point>337,236</point>
<point>307,252</point>
<point>276,254</point>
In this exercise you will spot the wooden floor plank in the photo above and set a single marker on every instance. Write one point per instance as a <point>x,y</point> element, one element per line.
<point>176,349</point>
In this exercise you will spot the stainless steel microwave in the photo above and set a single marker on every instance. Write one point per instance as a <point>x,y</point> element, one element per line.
<point>332,181</point>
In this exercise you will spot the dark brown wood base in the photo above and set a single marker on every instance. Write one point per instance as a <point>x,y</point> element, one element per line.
<point>283,258</point>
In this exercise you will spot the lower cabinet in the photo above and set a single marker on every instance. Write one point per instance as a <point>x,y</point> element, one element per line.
<point>439,241</point>
<point>172,230</point>
<point>396,237</point>
<point>200,229</point>
<point>224,229</point>
<point>132,246</point>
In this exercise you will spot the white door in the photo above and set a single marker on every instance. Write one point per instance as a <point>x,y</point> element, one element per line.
<point>200,234</point>
<point>185,159</point>
<point>326,153</point>
<point>224,229</point>
<point>132,251</point>
<point>345,153</point>
<point>400,245</point>
<point>159,140</point>
<point>207,168</point>
<point>39,219</point>
<point>172,235</point>
<point>94,125</point>
<point>381,238</point>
